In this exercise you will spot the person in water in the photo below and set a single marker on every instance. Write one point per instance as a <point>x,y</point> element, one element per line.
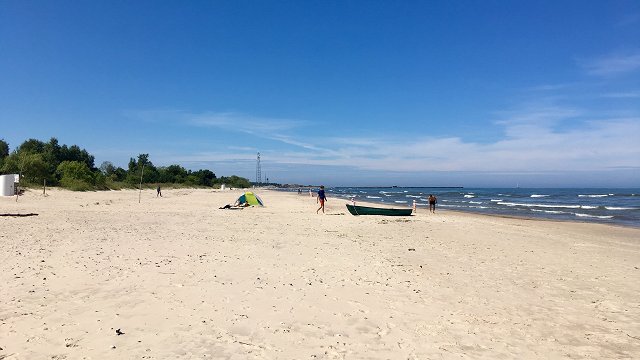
<point>321,199</point>
<point>432,203</point>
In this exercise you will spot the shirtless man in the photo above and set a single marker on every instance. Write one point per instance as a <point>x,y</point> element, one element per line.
<point>432,203</point>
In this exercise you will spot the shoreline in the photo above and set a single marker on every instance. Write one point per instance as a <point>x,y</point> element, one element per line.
<point>181,278</point>
<point>425,208</point>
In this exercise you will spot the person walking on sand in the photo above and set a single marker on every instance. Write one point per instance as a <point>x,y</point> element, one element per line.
<point>321,199</point>
<point>432,203</point>
<point>159,192</point>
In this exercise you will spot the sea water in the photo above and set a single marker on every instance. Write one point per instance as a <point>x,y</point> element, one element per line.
<point>611,206</point>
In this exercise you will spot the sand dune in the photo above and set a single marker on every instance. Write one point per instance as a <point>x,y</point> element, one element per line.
<point>180,278</point>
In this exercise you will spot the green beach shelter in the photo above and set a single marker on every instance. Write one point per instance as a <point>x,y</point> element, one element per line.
<point>250,198</point>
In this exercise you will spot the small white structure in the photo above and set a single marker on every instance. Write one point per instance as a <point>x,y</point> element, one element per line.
<point>223,187</point>
<point>8,184</point>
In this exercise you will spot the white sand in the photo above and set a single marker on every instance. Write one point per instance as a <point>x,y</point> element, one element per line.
<point>183,279</point>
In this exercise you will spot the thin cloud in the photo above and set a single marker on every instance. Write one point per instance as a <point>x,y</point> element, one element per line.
<point>243,122</point>
<point>613,65</point>
<point>623,95</point>
<point>543,138</point>
<point>528,146</point>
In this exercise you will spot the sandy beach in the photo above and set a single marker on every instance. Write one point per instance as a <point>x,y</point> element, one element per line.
<point>98,275</point>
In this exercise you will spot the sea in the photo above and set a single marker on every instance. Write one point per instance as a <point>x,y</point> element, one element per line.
<point>608,206</point>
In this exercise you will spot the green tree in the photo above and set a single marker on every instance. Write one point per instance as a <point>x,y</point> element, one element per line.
<point>119,174</point>
<point>204,177</point>
<point>31,146</point>
<point>33,168</point>
<point>74,153</point>
<point>234,181</point>
<point>75,175</point>
<point>107,168</point>
<point>135,170</point>
<point>172,174</point>
<point>4,152</point>
<point>11,164</point>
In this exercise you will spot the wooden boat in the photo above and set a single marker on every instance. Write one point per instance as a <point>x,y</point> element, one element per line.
<point>368,210</point>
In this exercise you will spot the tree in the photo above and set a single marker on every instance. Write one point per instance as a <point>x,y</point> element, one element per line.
<point>204,177</point>
<point>32,167</point>
<point>119,174</point>
<point>74,153</point>
<point>107,168</point>
<point>135,170</point>
<point>235,181</point>
<point>32,146</point>
<point>4,151</point>
<point>172,174</point>
<point>75,175</point>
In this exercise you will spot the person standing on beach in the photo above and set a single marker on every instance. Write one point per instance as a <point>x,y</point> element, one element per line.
<point>321,199</point>
<point>159,192</point>
<point>432,203</point>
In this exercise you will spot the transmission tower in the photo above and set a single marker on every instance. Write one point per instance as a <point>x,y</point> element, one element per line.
<point>258,171</point>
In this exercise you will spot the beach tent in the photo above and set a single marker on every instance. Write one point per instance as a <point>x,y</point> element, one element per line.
<point>250,198</point>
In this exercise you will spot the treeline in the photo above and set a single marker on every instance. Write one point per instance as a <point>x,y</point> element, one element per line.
<point>73,168</point>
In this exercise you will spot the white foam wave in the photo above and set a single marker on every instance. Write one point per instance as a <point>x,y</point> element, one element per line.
<point>593,195</point>
<point>588,207</point>
<point>550,211</point>
<point>475,202</point>
<point>538,196</point>
<point>413,196</point>
<point>469,196</point>
<point>540,205</point>
<point>373,197</point>
<point>400,202</point>
<point>619,208</point>
<point>496,200</point>
<point>594,216</point>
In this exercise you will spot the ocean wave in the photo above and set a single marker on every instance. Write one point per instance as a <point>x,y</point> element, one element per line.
<point>588,207</point>
<point>540,205</point>
<point>469,196</point>
<point>594,216</point>
<point>400,201</point>
<point>496,200</point>
<point>413,196</point>
<point>550,211</point>
<point>593,195</point>
<point>373,197</point>
<point>538,196</point>
<point>475,202</point>
<point>620,208</point>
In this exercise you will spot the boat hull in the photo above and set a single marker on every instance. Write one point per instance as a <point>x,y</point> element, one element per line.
<point>368,210</point>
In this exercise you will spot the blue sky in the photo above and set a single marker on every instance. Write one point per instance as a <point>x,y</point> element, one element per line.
<point>423,93</point>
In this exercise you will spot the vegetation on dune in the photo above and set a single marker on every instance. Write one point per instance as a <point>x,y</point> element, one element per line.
<point>73,168</point>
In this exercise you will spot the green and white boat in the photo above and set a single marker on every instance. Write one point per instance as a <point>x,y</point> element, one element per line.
<point>369,210</point>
